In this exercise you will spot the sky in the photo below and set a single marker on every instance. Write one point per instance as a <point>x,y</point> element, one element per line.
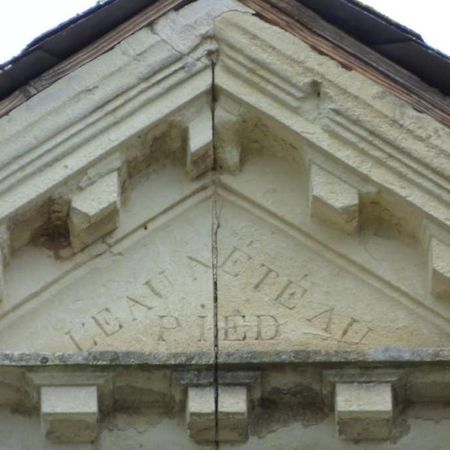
<point>23,20</point>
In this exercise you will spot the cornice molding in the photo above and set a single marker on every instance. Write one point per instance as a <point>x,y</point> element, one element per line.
<point>353,120</point>
<point>43,132</point>
<point>295,18</point>
<point>89,53</point>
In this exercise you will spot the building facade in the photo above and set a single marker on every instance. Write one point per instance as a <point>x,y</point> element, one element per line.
<point>225,225</point>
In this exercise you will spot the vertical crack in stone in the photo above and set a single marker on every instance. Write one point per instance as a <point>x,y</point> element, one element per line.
<point>215,228</point>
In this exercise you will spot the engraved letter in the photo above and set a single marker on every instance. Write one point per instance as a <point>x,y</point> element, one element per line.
<point>235,262</point>
<point>199,262</point>
<point>234,328</point>
<point>354,332</point>
<point>135,303</point>
<point>160,285</point>
<point>107,322</point>
<point>167,323</point>
<point>267,273</point>
<point>291,294</point>
<point>267,328</point>
<point>323,320</point>
<point>82,338</point>
<point>202,320</point>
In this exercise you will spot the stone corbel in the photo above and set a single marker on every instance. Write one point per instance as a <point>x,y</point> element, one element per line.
<point>94,211</point>
<point>439,268</point>
<point>363,402</point>
<point>71,404</point>
<point>200,158</point>
<point>437,246</point>
<point>227,144</point>
<point>4,256</point>
<point>333,200</point>
<point>218,414</point>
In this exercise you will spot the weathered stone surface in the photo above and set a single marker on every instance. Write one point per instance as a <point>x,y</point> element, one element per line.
<point>193,26</point>
<point>69,413</point>
<point>364,410</point>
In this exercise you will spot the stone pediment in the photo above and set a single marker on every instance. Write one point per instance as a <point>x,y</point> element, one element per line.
<point>223,221</point>
<point>335,222</point>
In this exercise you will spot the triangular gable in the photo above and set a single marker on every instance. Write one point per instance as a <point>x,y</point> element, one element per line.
<point>325,181</point>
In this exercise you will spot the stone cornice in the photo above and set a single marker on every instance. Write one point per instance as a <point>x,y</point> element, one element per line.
<point>76,129</point>
<point>388,357</point>
<point>355,121</point>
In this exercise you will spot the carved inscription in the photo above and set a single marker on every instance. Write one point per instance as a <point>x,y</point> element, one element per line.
<point>167,324</point>
<point>105,320</point>
<point>149,307</point>
<point>106,323</point>
<point>239,327</point>
<point>268,282</point>
<point>271,285</point>
<point>279,289</point>
<point>343,329</point>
